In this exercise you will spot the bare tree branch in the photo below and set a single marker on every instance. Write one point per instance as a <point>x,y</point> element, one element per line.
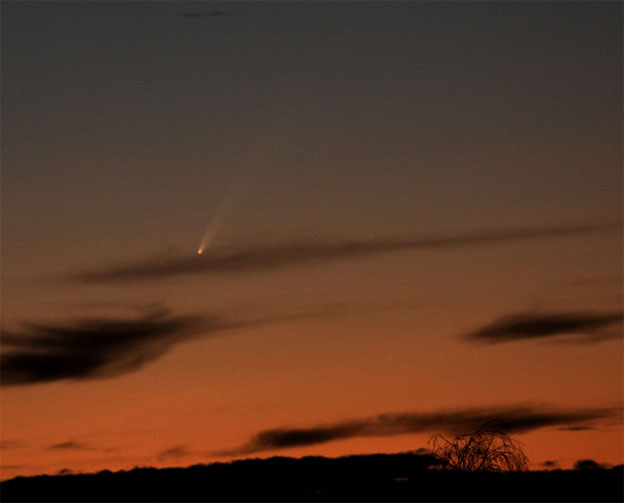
<point>489,448</point>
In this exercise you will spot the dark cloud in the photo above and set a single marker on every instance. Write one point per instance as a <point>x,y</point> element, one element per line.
<point>517,419</point>
<point>68,446</point>
<point>585,326</point>
<point>175,452</point>
<point>258,258</point>
<point>550,464</point>
<point>93,348</point>
<point>96,348</point>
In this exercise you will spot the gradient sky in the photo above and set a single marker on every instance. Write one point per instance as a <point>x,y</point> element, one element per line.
<point>414,208</point>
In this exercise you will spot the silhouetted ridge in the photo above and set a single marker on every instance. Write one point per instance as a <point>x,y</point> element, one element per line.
<point>378,477</point>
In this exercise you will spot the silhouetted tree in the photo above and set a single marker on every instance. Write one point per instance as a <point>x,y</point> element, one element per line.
<point>489,448</point>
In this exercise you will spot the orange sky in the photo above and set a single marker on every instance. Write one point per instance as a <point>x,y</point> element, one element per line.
<point>408,174</point>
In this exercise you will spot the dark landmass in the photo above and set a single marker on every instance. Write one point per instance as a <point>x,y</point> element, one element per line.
<point>379,477</point>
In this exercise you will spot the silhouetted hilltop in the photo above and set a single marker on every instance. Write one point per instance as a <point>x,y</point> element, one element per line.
<point>379,477</point>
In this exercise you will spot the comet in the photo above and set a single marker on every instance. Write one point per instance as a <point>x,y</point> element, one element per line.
<point>234,193</point>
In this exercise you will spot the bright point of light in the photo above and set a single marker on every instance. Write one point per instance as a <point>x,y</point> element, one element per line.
<point>236,190</point>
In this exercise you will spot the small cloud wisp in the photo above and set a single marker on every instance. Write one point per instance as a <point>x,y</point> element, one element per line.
<point>175,452</point>
<point>70,446</point>
<point>584,326</point>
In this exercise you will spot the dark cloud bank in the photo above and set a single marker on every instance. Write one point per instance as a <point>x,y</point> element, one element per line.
<point>99,348</point>
<point>517,419</point>
<point>584,326</point>
<point>274,257</point>
<point>92,348</point>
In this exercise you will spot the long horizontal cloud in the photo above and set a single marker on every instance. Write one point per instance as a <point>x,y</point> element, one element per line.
<point>101,348</point>
<point>273,257</point>
<point>72,445</point>
<point>92,348</point>
<point>590,327</point>
<point>518,419</point>
<point>67,446</point>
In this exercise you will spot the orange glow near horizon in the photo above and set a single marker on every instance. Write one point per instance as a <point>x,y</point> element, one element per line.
<point>135,420</point>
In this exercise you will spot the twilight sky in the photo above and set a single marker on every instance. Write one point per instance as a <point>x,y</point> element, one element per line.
<point>410,218</point>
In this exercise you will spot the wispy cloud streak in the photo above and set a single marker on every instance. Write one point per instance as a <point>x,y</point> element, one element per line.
<point>71,445</point>
<point>518,419</point>
<point>260,258</point>
<point>585,326</point>
<point>92,348</point>
<point>96,348</point>
<point>175,452</point>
